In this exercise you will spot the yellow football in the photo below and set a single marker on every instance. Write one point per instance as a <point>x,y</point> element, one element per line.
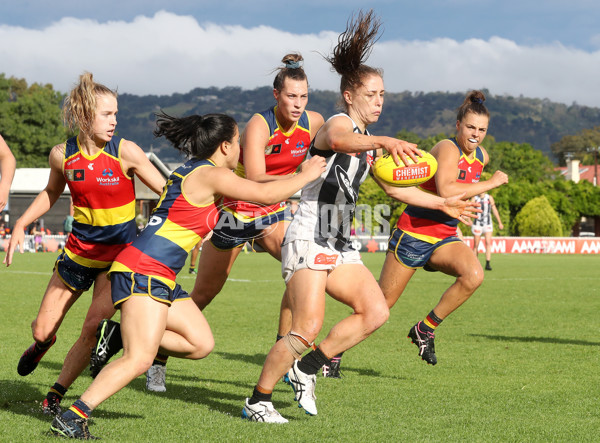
<point>405,175</point>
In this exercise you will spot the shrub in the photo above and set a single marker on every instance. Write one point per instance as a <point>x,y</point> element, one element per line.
<point>538,219</point>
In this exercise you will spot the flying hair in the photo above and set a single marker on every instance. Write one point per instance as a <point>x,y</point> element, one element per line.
<point>196,136</point>
<point>353,49</point>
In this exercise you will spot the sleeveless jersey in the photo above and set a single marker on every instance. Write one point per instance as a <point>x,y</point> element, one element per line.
<point>327,204</point>
<point>104,203</point>
<point>175,227</point>
<point>431,225</point>
<point>483,218</point>
<point>283,154</point>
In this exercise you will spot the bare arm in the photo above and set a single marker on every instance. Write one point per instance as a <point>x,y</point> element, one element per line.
<point>254,140</point>
<point>201,186</point>
<point>41,204</point>
<point>7,172</point>
<point>135,162</point>
<point>446,176</point>
<point>453,206</point>
<point>338,135</point>
<point>496,213</point>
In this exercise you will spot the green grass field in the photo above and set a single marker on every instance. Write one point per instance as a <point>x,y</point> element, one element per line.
<point>518,362</point>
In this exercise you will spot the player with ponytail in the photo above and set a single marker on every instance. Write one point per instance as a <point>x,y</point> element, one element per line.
<point>427,238</point>
<point>99,168</point>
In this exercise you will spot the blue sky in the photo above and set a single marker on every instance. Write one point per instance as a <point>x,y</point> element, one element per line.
<point>535,48</point>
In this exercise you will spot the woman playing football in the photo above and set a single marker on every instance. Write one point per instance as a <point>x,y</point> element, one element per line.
<point>317,256</point>
<point>427,238</point>
<point>156,313</point>
<point>272,146</point>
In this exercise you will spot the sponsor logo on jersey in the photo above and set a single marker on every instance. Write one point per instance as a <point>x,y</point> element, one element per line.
<point>74,160</point>
<point>108,179</point>
<point>273,149</point>
<point>107,172</point>
<point>75,175</point>
<point>324,259</point>
<point>411,172</point>
<point>91,166</point>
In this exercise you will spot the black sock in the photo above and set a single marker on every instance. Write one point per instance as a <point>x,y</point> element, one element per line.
<point>160,359</point>
<point>431,322</point>
<point>259,396</point>
<point>44,346</point>
<point>56,393</point>
<point>313,361</point>
<point>279,337</point>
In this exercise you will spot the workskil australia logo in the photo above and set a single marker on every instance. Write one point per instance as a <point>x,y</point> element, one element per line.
<point>107,178</point>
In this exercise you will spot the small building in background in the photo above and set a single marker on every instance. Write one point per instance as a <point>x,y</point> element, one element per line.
<point>575,171</point>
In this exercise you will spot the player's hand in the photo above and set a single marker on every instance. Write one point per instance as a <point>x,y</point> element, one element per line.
<point>499,178</point>
<point>313,167</point>
<point>17,239</point>
<point>464,210</point>
<point>400,149</point>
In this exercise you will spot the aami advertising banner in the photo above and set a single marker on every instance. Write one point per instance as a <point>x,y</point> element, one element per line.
<point>508,245</point>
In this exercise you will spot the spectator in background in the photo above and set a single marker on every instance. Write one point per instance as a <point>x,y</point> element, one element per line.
<point>38,233</point>
<point>483,225</point>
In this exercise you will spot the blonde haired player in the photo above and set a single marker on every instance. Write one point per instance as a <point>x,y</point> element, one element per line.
<point>98,167</point>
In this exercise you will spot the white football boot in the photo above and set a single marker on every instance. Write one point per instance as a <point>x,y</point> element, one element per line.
<point>263,412</point>
<point>304,388</point>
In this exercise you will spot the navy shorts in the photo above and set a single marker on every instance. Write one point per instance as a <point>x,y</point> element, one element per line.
<point>128,284</point>
<point>412,252</point>
<point>231,232</point>
<point>75,276</point>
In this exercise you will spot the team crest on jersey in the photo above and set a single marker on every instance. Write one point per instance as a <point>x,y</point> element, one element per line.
<point>273,149</point>
<point>462,174</point>
<point>75,175</point>
<point>344,183</point>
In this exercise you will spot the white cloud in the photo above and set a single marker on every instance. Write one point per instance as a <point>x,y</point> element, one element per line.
<point>170,53</point>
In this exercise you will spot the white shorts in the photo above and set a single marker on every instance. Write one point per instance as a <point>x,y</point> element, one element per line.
<point>302,254</point>
<point>478,229</point>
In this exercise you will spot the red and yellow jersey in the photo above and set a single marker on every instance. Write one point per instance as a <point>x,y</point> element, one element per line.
<point>175,227</point>
<point>103,201</point>
<point>283,154</point>
<point>430,225</point>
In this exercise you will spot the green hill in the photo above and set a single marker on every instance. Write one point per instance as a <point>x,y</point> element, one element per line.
<point>516,119</point>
